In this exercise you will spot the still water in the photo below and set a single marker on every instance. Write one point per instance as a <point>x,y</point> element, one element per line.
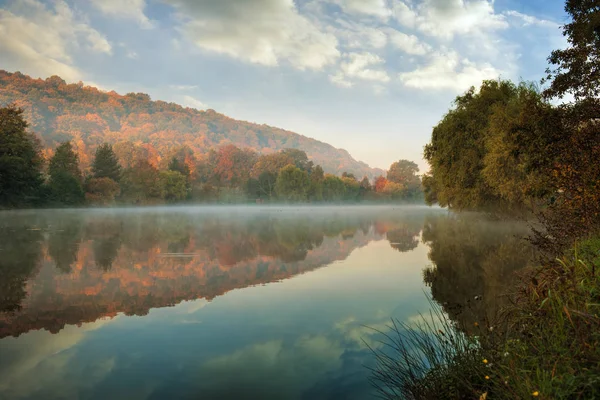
<point>230,303</point>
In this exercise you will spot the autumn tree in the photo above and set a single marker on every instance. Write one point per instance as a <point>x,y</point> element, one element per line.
<point>101,191</point>
<point>106,164</point>
<point>139,183</point>
<point>65,176</point>
<point>300,159</point>
<point>172,186</point>
<point>20,160</point>
<point>292,184</point>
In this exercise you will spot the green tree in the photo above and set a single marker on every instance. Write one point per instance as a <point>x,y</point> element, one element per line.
<point>20,160</point>
<point>333,188</point>
<point>65,176</point>
<point>299,159</point>
<point>65,160</point>
<point>106,164</point>
<point>457,149</point>
<point>178,166</point>
<point>172,186</point>
<point>576,68</point>
<point>139,184</point>
<point>292,184</point>
<point>101,191</point>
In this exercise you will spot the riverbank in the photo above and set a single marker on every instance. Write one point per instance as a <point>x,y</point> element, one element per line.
<point>545,345</point>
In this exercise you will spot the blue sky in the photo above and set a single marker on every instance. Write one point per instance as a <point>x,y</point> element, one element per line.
<point>370,76</point>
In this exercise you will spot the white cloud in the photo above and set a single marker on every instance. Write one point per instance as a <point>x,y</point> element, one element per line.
<point>192,102</point>
<point>42,38</point>
<point>360,65</point>
<point>445,19</point>
<point>264,32</point>
<point>340,80</point>
<point>528,20</point>
<point>130,9</point>
<point>377,8</point>
<point>408,43</point>
<point>356,35</point>
<point>132,54</point>
<point>449,71</point>
<point>183,87</point>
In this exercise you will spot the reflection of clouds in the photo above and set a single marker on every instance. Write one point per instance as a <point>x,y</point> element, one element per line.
<point>290,369</point>
<point>42,362</point>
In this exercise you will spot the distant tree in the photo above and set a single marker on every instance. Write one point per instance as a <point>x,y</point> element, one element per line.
<point>65,176</point>
<point>65,160</point>
<point>271,163</point>
<point>140,183</point>
<point>380,183</point>
<point>106,164</point>
<point>351,188</point>
<point>333,188</point>
<point>348,175</point>
<point>317,174</point>
<point>403,172</point>
<point>20,160</point>
<point>231,166</point>
<point>292,184</point>
<point>300,159</point>
<point>172,186</point>
<point>101,191</point>
<point>178,166</point>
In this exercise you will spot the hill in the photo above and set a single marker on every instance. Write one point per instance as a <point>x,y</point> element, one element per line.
<point>58,112</point>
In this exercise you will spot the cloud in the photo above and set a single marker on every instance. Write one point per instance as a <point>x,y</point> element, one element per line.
<point>528,20</point>
<point>340,80</point>
<point>408,43</point>
<point>192,102</point>
<point>183,87</point>
<point>356,35</point>
<point>449,71</point>
<point>376,8</point>
<point>360,65</point>
<point>42,38</point>
<point>130,9</point>
<point>444,19</point>
<point>265,32</point>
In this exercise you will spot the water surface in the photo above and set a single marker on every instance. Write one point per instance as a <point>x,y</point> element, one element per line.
<point>230,302</point>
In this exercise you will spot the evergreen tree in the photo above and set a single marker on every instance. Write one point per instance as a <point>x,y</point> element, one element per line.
<point>65,176</point>
<point>106,164</point>
<point>65,160</point>
<point>20,160</point>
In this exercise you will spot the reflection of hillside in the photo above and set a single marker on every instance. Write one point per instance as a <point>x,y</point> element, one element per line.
<point>472,257</point>
<point>94,266</point>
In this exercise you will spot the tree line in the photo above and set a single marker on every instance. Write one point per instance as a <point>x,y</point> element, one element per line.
<point>510,148</point>
<point>127,173</point>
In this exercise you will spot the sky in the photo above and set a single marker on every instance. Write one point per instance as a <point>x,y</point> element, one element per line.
<point>370,76</point>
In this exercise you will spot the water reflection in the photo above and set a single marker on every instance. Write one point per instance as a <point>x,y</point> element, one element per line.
<point>80,266</point>
<point>473,264</point>
<point>141,304</point>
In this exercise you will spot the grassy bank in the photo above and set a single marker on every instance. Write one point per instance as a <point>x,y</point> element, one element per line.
<point>545,345</point>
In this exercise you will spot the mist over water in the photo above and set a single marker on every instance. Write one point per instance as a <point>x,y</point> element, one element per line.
<point>230,302</point>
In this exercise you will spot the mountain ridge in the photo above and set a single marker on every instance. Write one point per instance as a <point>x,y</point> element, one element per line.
<point>88,116</point>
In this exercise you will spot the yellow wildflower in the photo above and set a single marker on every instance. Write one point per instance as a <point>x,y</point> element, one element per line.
<point>485,361</point>
<point>535,394</point>
<point>476,324</point>
<point>487,377</point>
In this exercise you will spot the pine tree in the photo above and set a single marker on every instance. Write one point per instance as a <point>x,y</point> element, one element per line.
<point>65,176</point>
<point>20,160</point>
<point>106,164</point>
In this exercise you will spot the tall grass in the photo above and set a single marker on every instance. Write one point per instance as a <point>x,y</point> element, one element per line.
<point>548,346</point>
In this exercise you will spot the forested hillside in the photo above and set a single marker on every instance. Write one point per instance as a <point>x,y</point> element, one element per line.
<point>88,117</point>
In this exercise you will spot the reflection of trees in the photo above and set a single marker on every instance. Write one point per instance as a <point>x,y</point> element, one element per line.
<point>64,238</point>
<point>472,258</point>
<point>20,253</point>
<point>132,262</point>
